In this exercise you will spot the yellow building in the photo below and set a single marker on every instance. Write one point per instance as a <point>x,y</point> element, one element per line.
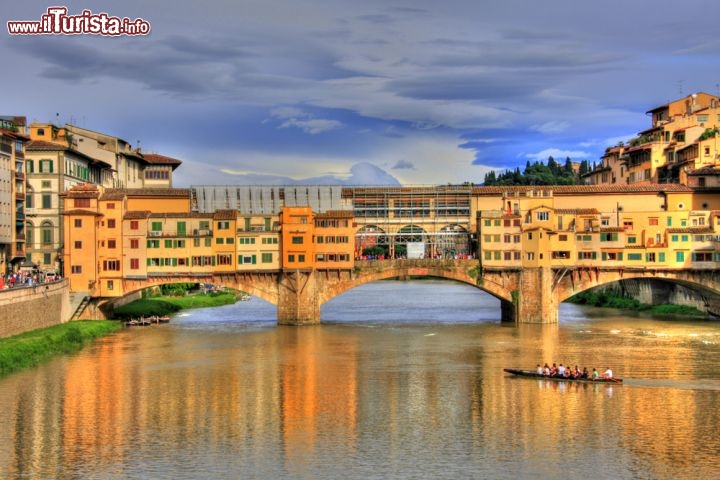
<point>684,136</point>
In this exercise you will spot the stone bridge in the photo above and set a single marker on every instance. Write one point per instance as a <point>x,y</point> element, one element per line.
<point>527,295</point>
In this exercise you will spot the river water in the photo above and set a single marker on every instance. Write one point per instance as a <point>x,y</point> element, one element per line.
<point>403,380</point>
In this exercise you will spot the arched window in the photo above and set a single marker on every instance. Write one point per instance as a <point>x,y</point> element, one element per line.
<point>46,233</point>
<point>29,234</point>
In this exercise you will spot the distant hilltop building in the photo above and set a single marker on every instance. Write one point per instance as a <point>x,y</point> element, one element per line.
<point>681,146</point>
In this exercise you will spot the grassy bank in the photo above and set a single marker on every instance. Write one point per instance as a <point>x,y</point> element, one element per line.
<point>606,299</point>
<point>31,348</point>
<point>166,305</point>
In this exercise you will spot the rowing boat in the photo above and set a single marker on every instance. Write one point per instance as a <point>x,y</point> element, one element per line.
<point>532,374</point>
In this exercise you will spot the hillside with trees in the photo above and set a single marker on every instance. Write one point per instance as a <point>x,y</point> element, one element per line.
<point>539,173</point>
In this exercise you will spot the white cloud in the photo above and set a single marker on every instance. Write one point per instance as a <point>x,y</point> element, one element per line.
<point>557,154</point>
<point>312,126</point>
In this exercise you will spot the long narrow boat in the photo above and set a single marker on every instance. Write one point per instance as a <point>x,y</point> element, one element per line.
<point>531,374</point>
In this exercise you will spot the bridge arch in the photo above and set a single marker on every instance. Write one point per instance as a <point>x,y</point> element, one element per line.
<point>704,281</point>
<point>457,270</point>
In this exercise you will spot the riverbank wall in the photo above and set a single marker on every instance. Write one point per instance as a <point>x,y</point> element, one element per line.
<point>28,308</point>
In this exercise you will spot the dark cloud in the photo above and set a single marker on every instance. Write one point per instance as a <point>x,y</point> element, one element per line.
<point>404,165</point>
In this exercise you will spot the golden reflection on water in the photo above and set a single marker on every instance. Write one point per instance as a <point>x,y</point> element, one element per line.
<point>286,396</point>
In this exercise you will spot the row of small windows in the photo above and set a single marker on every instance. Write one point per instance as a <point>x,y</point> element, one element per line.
<point>648,257</point>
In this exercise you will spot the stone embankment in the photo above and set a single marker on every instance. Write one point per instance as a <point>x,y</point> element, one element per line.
<point>28,308</point>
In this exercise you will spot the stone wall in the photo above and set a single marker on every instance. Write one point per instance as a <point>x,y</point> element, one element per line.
<point>28,308</point>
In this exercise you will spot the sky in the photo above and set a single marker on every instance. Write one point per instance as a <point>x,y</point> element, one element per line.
<point>366,92</point>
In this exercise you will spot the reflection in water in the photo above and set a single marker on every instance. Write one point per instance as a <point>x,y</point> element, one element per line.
<point>222,393</point>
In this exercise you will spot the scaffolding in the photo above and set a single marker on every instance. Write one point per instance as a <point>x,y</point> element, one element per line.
<point>438,217</point>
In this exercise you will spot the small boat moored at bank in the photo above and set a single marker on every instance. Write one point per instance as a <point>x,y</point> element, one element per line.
<point>533,374</point>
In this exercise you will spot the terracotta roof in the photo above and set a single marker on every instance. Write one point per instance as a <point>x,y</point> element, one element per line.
<point>705,171</point>
<point>577,211</point>
<point>79,211</point>
<point>336,214</point>
<point>157,159</point>
<point>181,215</point>
<point>575,189</point>
<point>152,192</point>
<point>690,230</point>
<point>41,145</point>
<point>15,134</point>
<point>225,215</point>
<point>136,215</point>
<point>112,195</point>
<point>612,229</point>
<point>86,190</point>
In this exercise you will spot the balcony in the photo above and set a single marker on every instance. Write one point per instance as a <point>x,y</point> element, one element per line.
<point>19,176</point>
<point>20,237</point>
<point>19,196</point>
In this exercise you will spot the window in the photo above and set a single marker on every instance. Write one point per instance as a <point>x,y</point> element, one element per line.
<point>46,258</point>
<point>45,184</point>
<point>608,237</point>
<point>266,258</point>
<point>29,201</point>
<point>247,259</point>
<point>291,258</point>
<point>46,166</point>
<point>111,205</point>
<point>153,243</point>
<point>247,241</point>
<point>530,255</point>
<point>587,255</point>
<point>542,216</point>
<point>111,265</point>
<point>46,200</point>
<point>134,243</point>
<point>110,285</point>
<point>269,241</point>
<point>529,236</point>
<point>134,225</point>
<point>111,243</point>
<point>223,225</point>
<point>76,269</point>
<point>196,242</point>
<point>111,223</point>
<point>650,257</point>
<point>301,257</point>
<point>653,221</point>
<point>134,263</point>
<point>78,223</point>
<point>297,240</point>
<point>219,240</point>
<point>78,244</point>
<point>702,256</point>
<point>634,256</point>
<point>224,259</point>
<point>46,233</point>
<point>168,243</point>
